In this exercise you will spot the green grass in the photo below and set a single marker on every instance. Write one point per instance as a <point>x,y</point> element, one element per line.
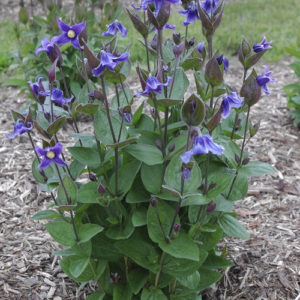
<point>278,20</point>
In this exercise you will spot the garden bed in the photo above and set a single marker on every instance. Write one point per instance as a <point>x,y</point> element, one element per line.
<point>266,265</point>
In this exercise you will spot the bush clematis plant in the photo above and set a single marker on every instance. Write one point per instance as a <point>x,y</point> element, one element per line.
<point>146,191</point>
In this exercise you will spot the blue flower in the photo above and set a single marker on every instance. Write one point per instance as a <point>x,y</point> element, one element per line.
<point>209,6</point>
<point>50,155</point>
<point>263,45</point>
<point>109,61</point>
<point>191,14</point>
<point>158,4</point>
<point>70,34</point>
<point>229,101</point>
<point>47,46</point>
<point>38,89</point>
<point>186,173</point>
<point>114,28</point>
<point>127,117</point>
<point>221,59</point>
<point>153,85</point>
<point>19,129</point>
<point>166,26</point>
<point>264,79</point>
<point>200,47</point>
<point>58,97</point>
<point>202,145</point>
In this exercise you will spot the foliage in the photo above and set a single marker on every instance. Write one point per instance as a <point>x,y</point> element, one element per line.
<point>144,199</point>
<point>293,90</point>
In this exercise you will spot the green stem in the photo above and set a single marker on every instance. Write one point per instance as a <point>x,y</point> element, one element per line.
<point>147,54</point>
<point>117,94</point>
<point>160,269</point>
<point>185,39</point>
<point>241,155</point>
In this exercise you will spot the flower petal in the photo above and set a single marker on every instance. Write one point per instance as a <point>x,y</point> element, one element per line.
<point>40,151</point>
<point>63,26</point>
<point>57,149</point>
<point>62,39</point>
<point>75,44</point>
<point>59,161</point>
<point>46,162</point>
<point>78,28</point>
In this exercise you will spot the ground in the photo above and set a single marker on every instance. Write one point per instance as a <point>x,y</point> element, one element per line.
<point>266,266</point>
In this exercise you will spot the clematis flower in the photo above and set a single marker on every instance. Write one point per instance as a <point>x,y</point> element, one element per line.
<point>263,45</point>
<point>158,4</point>
<point>191,14</point>
<point>202,145</point>
<point>209,6</point>
<point>114,28</point>
<point>200,47</point>
<point>109,61</point>
<point>264,79</point>
<point>230,101</point>
<point>58,97</point>
<point>50,155</point>
<point>127,117</point>
<point>166,26</point>
<point>70,34</point>
<point>38,89</point>
<point>20,128</point>
<point>47,46</point>
<point>221,59</point>
<point>186,173</point>
<point>154,86</point>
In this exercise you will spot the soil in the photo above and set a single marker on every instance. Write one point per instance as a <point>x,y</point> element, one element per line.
<point>266,266</point>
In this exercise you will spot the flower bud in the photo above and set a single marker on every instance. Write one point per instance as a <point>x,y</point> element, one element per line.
<point>212,186</point>
<point>163,14</point>
<point>154,42</point>
<point>186,173</point>
<point>211,208</point>
<point>96,95</point>
<point>83,37</point>
<point>153,201</point>
<point>138,24</point>
<point>178,49</point>
<point>92,177</point>
<point>213,73</point>
<point>236,158</point>
<point>193,111</point>
<point>177,228</point>
<point>52,72</point>
<point>171,148</point>
<point>253,129</point>
<point>158,144</point>
<point>251,90</point>
<point>177,38</point>
<point>215,120</point>
<point>191,42</point>
<point>101,189</point>
<point>245,161</point>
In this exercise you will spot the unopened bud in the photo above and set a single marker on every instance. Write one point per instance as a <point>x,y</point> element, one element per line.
<point>52,72</point>
<point>171,148</point>
<point>251,90</point>
<point>177,38</point>
<point>177,227</point>
<point>153,201</point>
<point>213,73</point>
<point>101,189</point>
<point>212,186</point>
<point>158,144</point>
<point>211,208</point>
<point>237,158</point>
<point>154,42</point>
<point>193,111</point>
<point>245,161</point>
<point>138,24</point>
<point>186,173</point>
<point>178,49</point>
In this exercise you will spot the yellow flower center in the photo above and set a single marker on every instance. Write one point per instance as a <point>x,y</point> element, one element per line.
<point>50,154</point>
<point>71,34</point>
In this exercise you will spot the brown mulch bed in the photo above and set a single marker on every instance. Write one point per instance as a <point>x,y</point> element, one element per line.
<point>267,266</point>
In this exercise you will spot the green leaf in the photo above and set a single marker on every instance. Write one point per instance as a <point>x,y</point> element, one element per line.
<point>96,296</point>
<point>240,188</point>
<point>256,168</point>
<point>214,261</point>
<point>138,194</point>
<point>152,177</point>
<point>148,154</point>
<point>127,174</point>
<point>71,189</point>
<point>164,103</point>
<point>124,143</point>
<point>88,109</point>
<point>56,125</point>
<point>78,265</point>
<point>137,115</point>
<point>85,155</point>
<point>173,176</point>
<point>140,251</point>
<point>102,128</point>
<point>88,193</point>
<point>87,231</point>
<point>233,227</point>
<point>121,292</point>
<point>207,278</point>
<point>62,232</point>
<point>137,278</point>
<point>120,231</point>
<point>139,216</point>
<point>195,199</point>
<point>82,250</point>
<point>45,215</point>
<point>182,267</point>
<point>181,84</point>
<point>182,246</point>
<point>208,240</point>
<point>166,213</point>
<point>153,294</point>
<point>37,173</point>
<point>190,281</point>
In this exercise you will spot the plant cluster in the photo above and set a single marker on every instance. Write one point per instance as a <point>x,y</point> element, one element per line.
<point>293,90</point>
<point>146,197</point>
